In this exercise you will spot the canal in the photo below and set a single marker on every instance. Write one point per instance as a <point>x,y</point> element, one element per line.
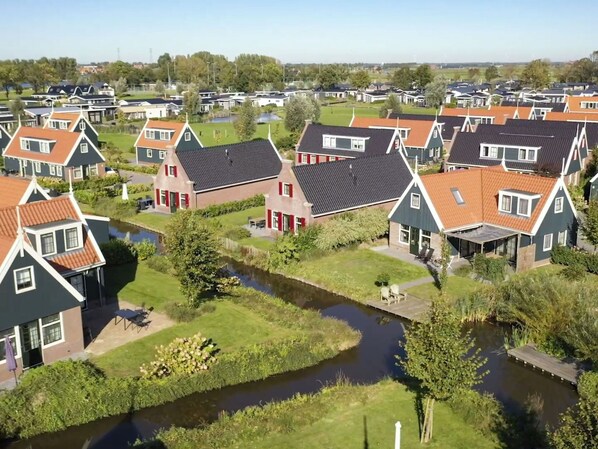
<point>371,360</point>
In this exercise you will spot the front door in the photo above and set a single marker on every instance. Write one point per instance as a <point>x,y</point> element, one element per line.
<point>173,202</point>
<point>31,345</point>
<point>414,241</point>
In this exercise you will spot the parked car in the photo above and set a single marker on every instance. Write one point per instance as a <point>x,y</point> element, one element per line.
<point>145,203</point>
<point>111,171</point>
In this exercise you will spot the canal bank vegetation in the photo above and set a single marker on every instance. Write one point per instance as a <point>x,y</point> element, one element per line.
<point>344,416</point>
<point>257,336</point>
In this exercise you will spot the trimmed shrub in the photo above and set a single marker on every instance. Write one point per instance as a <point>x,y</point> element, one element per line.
<point>237,233</point>
<point>490,268</point>
<point>95,183</point>
<point>383,279</point>
<point>145,249</point>
<point>216,210</point>
<point>118,252</point>
<point>563,255</point>
<point>139,188</point>
<point>117,209</point>
<point>183,356</point>
<point>147,169</point>
<point>364,225</point>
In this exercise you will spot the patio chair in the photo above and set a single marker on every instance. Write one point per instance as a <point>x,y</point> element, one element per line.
<point>385,294</point>
<point>429,254</point>
<point>422,254</point>
<point>141,323</point>
<point>395,293</point>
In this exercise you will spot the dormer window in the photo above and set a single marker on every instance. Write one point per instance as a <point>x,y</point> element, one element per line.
<point>149,134</point>
<point>358,144</point>
<point>404,133</point>
<point>44,147</point>
<point>528,154</point>
<point>164,135</point>
<point>523,202</point>
<point>62,124</point>
<point>48,244</point>
<point>25,144</point>
<point>489,151</point>
<point>71,239</point>
<point>523,206</point>
<point>505,203</point>
<point>329,142</point>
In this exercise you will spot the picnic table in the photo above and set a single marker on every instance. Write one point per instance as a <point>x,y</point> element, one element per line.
<point>126,316</point>
<point>257,222</point>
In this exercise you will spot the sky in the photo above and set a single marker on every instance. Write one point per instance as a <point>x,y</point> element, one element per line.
<point>324,31</point>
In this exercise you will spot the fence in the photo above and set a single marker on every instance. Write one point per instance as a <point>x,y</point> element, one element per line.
<point>232,246</point>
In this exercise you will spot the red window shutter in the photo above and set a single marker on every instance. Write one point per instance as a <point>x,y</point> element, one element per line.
<point>167,204</point>
<point>166,169</point>
<point>298,158</point>
<point>309,158</point>
<point>292,223</point>
<point>269,218</point>
<point>280,188</point>
<point>302,222</point>
<point>186,200</point>
<point>175,170</point>
<point>157,197</point>
<point>177,198</point>
<point>317,159</point>
<point>280,221</point>
<point>327,158</point>
<point>291,190</point>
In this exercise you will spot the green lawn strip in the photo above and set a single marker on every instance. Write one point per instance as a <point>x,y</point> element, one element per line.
<point>456,288</point>
<point>258,242</point>
<point>353,272</point>
<point>230,326</point>
<point>213,134</point>
<point>122,141</point>
<point>342,417</point>
<point>241,218</point>
<point>154,222</point>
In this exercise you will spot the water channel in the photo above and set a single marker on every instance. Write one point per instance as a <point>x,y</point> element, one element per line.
<point>511,382</point>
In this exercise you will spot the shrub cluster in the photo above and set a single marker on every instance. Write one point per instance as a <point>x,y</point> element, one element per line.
<point>119,252</point>
<point>147,169</point>
<point>490,268</point>
<point>216,210</point>
<point>364,225</point>
<point>182,356</point>
<point>237,233</point>
<point>145,249</point>
<point>160,264</point>
<point>564,255</point>
<point>95,183</point>
<point>113,208</point>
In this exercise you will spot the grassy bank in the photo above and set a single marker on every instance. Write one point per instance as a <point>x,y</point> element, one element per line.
<point>353,272</point>
<point>340,417</point>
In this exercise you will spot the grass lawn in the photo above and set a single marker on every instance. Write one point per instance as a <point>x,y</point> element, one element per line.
<point>122,141</point>
<point>258,242</point>
<point>340,417</point>
<point>212,134</point>
<point>353,272</point>
<point>240,218</point>
<point>457,287</point>
<point>156,222</point>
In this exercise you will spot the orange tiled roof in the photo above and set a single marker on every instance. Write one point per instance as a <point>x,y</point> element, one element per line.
<point>42,212</point>
<point>71,117</point>
<point>177,127</point>
<point>572,116</point>
<point>65,141</point>
<point>479,189</point>
<point>500,113</point>
<point>574,105</point>
<point>419,129</point>
<point>12,190</point>
<point>5,246</point>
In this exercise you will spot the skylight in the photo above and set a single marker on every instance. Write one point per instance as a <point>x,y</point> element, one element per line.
<point>457,195</point>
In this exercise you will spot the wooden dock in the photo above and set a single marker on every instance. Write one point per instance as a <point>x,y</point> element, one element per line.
<point>411,308</point>
<point>567,371</point>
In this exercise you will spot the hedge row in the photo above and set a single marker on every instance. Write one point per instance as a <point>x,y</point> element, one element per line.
<point>38,404</point>
<point>88,184</point>
<point>147,169</point>
<point>232,206</point>
<point>563,255</point>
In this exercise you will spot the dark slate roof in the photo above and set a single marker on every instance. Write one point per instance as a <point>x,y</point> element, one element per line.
<point>555,145</point>
<point>378,143</point>
<point>335,186</point>
<point>448,123</point>
<point>556,107</point>
<point>94,97</point>
<point>563,129</point>
<point>211,168</point>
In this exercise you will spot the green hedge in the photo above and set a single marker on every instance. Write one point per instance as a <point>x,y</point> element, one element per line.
<point>147,169</point>
<point>119,252</point>
<point>563,255</point>
<point>232,206</point>
<point>88,184</point>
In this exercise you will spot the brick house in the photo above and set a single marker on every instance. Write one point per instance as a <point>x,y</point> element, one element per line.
<point>214,175</point>
<point>307,194</point>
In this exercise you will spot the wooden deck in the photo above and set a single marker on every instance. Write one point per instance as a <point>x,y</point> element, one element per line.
<point>567,371</point>
<point>411,308</point>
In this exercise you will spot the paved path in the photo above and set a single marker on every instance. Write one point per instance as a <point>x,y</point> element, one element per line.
<point>136,178</point>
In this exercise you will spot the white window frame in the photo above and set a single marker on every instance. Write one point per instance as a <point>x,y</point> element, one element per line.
<point>182,204</point>
<point>15,337</point>
<point>32,274</point>
<point>59,170</point>
<point>187,136</point>
<point>303,158</point>
<point>25,144</point>
<point>297,224</point>
<point>62,124</point>
<point>286,189</point>
<point>527,212</point>
<point>500,203</point>
<point>79,170</point>
<point>93,170</point>
<point>161,154</point>
<point>37,167</point>
<point>82,125</point>
<point>526,156</point>
<point>41,331</point>
<point>164,135</point>
<point>41,244</point>
<point>549,246</point>
<point>149,153</point>
<point>52,169</point>
<point>562,238</point>
<point>358,144</point>
<point>558,204</point>
<point>407,229</point>
<point>149,134</point>
<point>84,147</point>
<point>44,147</point>
<point>435,134</point>
<point>163,197</point>
<point>427,237</point>
<point>79,239</point>
<point>412,198</point>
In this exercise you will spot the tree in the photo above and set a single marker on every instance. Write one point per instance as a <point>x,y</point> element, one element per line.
<point>491,73</point>
<point>120,86</point>
<point>191,101</point>
<point>579,424</point>
<point>40,74</point>
<point>438,356</point>
<point>331,75</point>
<point>445,258</point>
<point>392,103</point>
<point>7,73</point>
<point>17,107</point>
<point>403,78</point>
<point>536,74</point>
<point>245,124</point>
<point>473,73</point>
<point>298,110</point>
<point>160,89</point>
<point>589,225</point>
<point>436,92</point>
<point>423,75</point>
<point>193,251</point>
<point>360,79</point>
